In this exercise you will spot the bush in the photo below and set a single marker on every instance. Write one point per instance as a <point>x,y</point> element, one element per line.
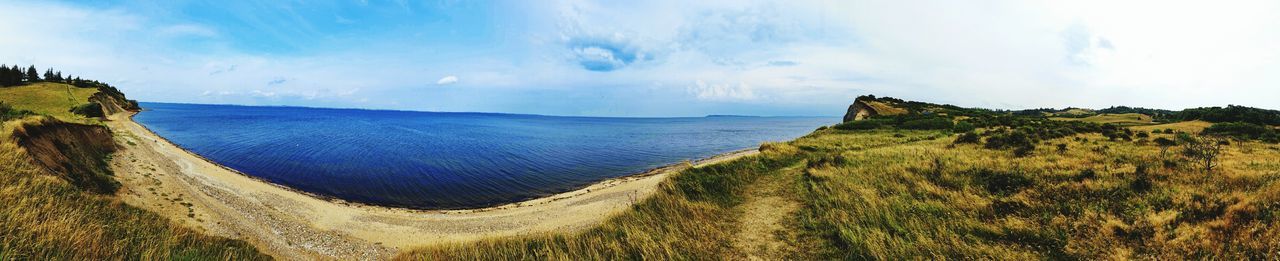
<point>968,137</point>
<point>927,124</point>
<point>1142,180</point>
<point>1239,130</point>
<point>1204,151</point>
<point>1272,137</point>
<point>1014,139</point>
<point>7,112</point>
<point>860,125</point>
<point>1023,151</point>
<point>92,109</point>
<point>1000,182</point>
<point>963,127</point>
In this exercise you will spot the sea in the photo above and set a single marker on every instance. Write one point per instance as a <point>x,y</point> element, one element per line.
<point>450,160</point>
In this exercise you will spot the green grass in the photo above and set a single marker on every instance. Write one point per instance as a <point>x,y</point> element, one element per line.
<point>54,99</point>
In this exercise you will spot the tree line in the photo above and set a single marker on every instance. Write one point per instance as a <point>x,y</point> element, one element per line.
<point>15,76</point>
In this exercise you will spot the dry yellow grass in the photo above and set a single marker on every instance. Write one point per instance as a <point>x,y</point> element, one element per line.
<point>1185,126</point>
<point>1126,119</point>
<point>929,200</point>
<point>887,194</point>
<point>885,109</point>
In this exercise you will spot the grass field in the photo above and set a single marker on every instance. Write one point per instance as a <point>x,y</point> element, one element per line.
<point>888,194</point>
<point>55,99</point>
<point>1185,126</point>
<point>1126,119</point>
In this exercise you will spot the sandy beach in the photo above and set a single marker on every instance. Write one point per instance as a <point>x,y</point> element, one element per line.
<point>288,224</point>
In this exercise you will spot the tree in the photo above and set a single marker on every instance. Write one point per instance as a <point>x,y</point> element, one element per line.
<point>17,75</point>
<point>6,76</point>
<point>48,74</point>
<point>32,74</point>
<point>1204,151</point>
<point>1164,144</point>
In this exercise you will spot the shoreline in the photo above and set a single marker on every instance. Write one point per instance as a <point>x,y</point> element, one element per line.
<point>579,190</point>
<point>287,223</point>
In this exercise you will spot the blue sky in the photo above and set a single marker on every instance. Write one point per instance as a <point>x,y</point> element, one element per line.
<point>658,58</point>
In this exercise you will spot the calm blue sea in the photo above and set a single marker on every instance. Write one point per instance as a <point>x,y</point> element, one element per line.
<point>432,160</point>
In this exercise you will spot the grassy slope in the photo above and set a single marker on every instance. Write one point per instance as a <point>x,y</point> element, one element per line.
<point>44,217</point>
<point>1126,119</point>
<point>925,199</point>
<point>910,194</point>
<point>54,99</point>
<point>1185,126</point>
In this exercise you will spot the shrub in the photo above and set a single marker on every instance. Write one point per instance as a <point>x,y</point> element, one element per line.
<point>963,127</point>
<point>1086,174</point>
<point>1002,183</point>
<point>968,137</point>
<point>1023,151</point>
<point>92,109</point>
<point>1142,180</point>
<point>928,124</point>
<point>1014,139</point>
<point>1204,151</point>
<point>859,125</point>
<point>1164,144</point>
<point>1239,130</point>
<point>1114,132</point>
<point>1272,137</point>
<point>8,113</point>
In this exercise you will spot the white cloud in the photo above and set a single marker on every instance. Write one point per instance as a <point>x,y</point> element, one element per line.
<point>447,80</point>
<point>722,92</point>
<point>260,93</point>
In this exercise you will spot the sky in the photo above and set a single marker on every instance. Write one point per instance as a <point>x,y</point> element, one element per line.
<point>659,58</point>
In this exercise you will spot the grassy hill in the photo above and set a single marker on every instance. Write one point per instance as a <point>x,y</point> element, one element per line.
<point>58,193</point>
<point>53,99</point>
<point>1124,119</point>
<point>1185,126</point>
<point>1017,187</point>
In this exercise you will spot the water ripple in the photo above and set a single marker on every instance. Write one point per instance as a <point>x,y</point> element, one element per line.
<point>449,160</point>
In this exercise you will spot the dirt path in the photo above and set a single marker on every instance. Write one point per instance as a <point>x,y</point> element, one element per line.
<point>766,230</point>
<point>287,224</point>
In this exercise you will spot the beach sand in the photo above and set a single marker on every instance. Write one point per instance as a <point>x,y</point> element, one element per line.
<point>288,224</point>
